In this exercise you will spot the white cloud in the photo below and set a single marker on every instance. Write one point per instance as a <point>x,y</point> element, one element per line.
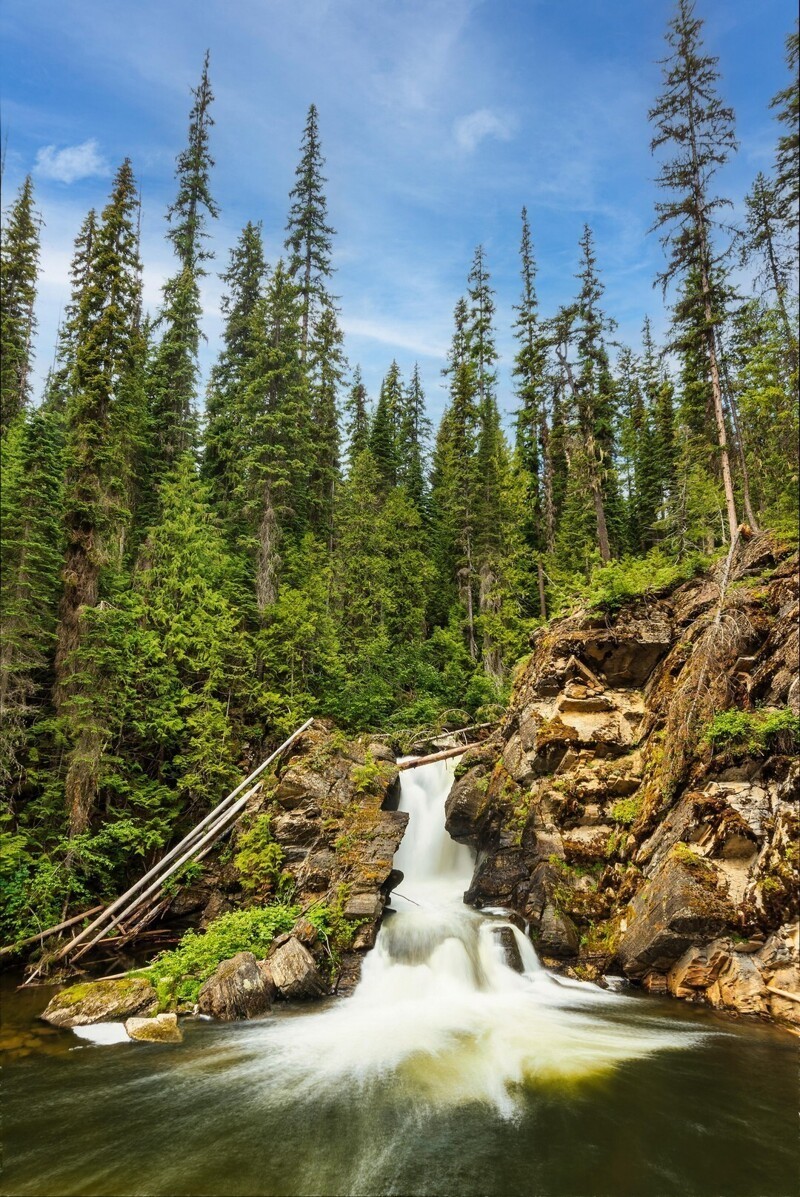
<point>74,162</point>
<point>484,122</point>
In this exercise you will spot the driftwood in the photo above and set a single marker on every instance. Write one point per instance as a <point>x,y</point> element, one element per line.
<point>416,761</point>
<point>784,993</point>
<point>48,931</point>
<point>195,844</point>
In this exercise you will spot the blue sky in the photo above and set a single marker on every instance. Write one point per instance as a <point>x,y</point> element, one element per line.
<point>439,120</point>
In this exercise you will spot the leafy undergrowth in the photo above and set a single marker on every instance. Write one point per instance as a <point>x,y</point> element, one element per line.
<point>178,974</point>
<point>754,733</point>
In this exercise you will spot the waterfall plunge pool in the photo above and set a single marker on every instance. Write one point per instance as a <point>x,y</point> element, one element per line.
<point>446,1073</point>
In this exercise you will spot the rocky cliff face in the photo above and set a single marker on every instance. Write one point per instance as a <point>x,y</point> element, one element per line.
<point>322,831</point>
<point>603,814</point>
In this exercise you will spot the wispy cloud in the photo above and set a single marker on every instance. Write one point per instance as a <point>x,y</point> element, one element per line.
<point>471,130</point>
<point>73,162</point>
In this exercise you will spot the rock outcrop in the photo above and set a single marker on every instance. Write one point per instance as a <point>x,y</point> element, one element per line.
<point>238,988</point>
<point>293,971</point>
<point>603,815</point>
<point>101,1001</point>
<point>326,834</point>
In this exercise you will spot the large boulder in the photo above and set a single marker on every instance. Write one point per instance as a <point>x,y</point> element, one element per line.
<point>684,901</point>
<point>558,935</point>
<point>237,989</point>
<point>161,1029</point>
<point>101,1001</point>
<point>293,971</point>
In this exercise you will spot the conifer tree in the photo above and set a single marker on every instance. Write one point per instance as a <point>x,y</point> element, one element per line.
<point>326,368</point>
<point>19,268</point>
<point>242,342</point>
<point>787,107</point>
<point>530,371</point>
<point>454,482</point>
<point>658,467</point>
<point>764,241</point>
<point>414,429</point>
<point>175,370</point>
<point>357,417</point>
<point>61,376</point>
<point>32,554</point>
<point>692,122</point>
<point>104,416</point>
<point>308,234</point>
<point>271,443</point>
<point>384,437</point>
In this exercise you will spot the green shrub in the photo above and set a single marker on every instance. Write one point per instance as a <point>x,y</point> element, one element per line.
<point>367,777</point>
<point>259,858</point>
<point>178,974</point>
<point>754,733</point>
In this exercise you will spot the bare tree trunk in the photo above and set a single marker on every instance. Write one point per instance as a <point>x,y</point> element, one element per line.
<point>719,414</point>
<point>542,602</point>
<point>732,407</point>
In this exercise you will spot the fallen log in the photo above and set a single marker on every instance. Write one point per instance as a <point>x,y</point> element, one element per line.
<point>784,993</point>
<point>415,761</point>
<point>187,847</point>
<point>76,918</point>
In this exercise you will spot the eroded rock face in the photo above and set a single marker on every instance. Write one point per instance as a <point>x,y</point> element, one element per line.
<point>100,1001</point>
<point>602,814</point>
<point>161,1029</point>
<point>293,971</point>
<point>237,989</point>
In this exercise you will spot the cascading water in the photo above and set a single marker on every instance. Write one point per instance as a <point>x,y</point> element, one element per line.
<point>446,1072</point>
<point>438,1008</point>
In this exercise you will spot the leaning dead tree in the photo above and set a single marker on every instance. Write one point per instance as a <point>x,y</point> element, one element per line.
<point>143,898</point>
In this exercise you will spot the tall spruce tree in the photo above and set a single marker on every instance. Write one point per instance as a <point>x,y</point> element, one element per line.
<point>308,234</point>
<point>104,417</point>
<point>173,382</point>
<point>787,159</point>
<point>414,429</point>
<point>384,437</point>
<point>530,372</point>
<point>694,125</point>
<point>765,241</point>
<point>357,417</point>
<point>271,443</point>
<point>32,538</point>
<point>19,268</point>
<point>242,342</point>
<point>326,368</point>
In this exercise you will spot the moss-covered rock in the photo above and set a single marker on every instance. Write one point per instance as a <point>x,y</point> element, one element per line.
<point>161,1029</point>
<point>101,1001</point>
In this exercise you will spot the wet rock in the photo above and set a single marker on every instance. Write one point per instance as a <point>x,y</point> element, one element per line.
<point>100,1001</point>
<point>509,947</point>
<point>466,805</point>
<point>161,1029</point>
<point>681,903</point>
<point>501,878</point>
<point>557,934</point>
<point>293,971</point>
<point>237,989</point>
<point>587,843</point>
<point>739,986</point>
<point>781,1006</point>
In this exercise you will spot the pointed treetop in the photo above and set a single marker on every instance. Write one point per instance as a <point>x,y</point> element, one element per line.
<point>192,170</point>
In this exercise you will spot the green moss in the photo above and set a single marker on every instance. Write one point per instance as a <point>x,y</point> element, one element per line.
<point>754,733</point>
<point>684,854</point>
<point>627,810</point>
<point>369,777</point>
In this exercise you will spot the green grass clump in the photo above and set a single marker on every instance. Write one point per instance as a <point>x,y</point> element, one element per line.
<point>754,733</point>
<point>611,586</point>
<point>177,975</point>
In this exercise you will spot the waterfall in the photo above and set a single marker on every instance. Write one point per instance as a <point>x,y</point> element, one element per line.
<point>439,1012</point>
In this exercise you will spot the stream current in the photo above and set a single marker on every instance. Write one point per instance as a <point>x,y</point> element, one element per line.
<point>448,1072</point>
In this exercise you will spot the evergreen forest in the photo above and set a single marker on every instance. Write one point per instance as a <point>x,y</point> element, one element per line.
<point>190,571</point>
